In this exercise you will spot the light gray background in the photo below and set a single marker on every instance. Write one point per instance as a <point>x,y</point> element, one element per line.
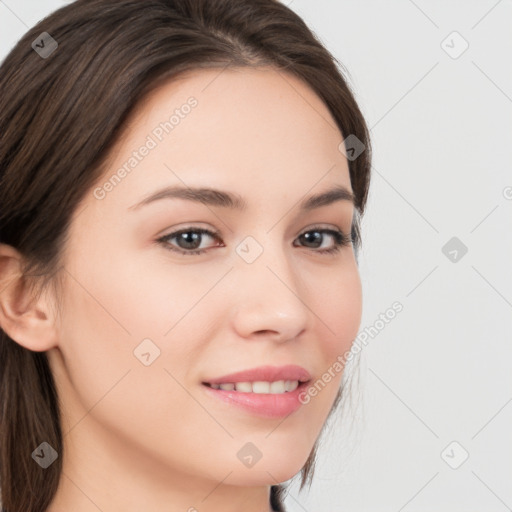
<point>440,371</point>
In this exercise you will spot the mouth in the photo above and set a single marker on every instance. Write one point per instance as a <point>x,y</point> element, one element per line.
<point>268,391</point>
<point>277,387</point>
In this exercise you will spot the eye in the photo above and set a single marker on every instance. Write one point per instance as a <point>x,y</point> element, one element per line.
<point>189,240</point>
<point>316,236</point>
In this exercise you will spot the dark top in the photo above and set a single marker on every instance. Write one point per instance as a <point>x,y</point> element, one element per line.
<point>276,499</point>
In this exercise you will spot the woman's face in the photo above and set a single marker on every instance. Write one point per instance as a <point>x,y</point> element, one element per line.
<point>145,323</point>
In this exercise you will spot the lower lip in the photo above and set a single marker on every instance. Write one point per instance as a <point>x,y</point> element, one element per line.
<point>263,404</point>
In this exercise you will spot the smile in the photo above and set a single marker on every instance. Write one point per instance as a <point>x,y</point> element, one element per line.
<point>259,387</point>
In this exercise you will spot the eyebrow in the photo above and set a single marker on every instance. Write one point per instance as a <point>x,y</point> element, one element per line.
<point>223,199</point>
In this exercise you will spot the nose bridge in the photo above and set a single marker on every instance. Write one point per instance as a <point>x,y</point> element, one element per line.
<point>269,291</point>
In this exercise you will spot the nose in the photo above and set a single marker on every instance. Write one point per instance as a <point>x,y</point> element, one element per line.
<point>269,298</point>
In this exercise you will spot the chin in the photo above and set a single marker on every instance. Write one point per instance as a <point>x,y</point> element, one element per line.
<point>278,469</point>
<point>263,476</point>
<point>281,474</point>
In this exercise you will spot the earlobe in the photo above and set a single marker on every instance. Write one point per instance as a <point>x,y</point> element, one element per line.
<point>25,319</point>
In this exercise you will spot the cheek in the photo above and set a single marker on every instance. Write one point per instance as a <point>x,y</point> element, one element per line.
<point>340,308</point>
<point>105,380</point>
<point>136,295</point>
<point>114,305</point>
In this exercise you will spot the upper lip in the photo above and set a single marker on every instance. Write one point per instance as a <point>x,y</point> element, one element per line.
<point>265,374</point>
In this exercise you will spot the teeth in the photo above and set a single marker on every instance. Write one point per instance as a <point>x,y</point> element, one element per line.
<point>278,386</point>
<point>259,387</point>
<point>292,385</point>
<point>245,387</point>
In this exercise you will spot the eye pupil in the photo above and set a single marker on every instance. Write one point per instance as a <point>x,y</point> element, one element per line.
<point>189,237</point>
<point>314,237</point>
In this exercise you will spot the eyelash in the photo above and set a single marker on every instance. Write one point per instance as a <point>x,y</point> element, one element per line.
<point>340,239</point>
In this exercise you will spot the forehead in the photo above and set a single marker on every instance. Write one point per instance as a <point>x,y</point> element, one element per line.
<point>245,129</point>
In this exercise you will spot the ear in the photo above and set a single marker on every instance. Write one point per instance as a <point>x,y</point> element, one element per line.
<point>29,322</point>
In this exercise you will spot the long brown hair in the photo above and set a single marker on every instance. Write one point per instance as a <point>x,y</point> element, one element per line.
<point>61,112</point>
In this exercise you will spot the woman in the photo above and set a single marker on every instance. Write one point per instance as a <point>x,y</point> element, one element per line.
<point>181,187</point>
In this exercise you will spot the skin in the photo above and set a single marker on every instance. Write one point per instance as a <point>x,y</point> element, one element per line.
<point>148,437</point>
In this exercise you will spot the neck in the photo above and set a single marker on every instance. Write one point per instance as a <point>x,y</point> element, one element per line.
<point>102,473</point>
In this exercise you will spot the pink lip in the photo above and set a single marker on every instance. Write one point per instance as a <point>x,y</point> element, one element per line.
<point>266,374</point>
<point>268,405</point>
